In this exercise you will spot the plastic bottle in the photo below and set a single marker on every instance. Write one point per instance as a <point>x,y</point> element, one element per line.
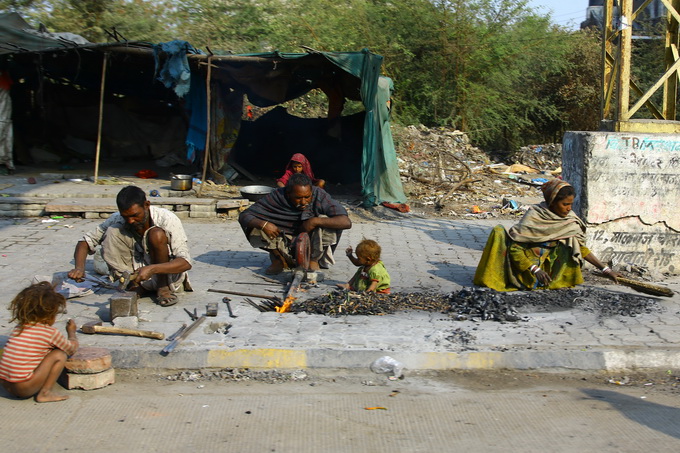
<point>388,365</point>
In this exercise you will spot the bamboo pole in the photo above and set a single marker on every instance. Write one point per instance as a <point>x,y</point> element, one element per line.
<point>101,117</point>
<point>206,153</point>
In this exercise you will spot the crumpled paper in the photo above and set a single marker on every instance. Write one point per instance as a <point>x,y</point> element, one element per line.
<point>67,287</point>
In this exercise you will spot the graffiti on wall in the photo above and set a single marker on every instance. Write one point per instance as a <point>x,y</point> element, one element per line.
<point>649,249</point>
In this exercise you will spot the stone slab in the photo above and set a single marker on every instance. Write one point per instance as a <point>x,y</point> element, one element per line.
<point>109,204</point>
<point>93,381</point>
<point>223,205</point>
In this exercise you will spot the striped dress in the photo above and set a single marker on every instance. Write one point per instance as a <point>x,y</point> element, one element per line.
<point>26,348</point>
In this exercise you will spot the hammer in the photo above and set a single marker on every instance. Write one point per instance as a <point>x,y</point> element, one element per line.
<point>97,327</point>
<point>125,280</point>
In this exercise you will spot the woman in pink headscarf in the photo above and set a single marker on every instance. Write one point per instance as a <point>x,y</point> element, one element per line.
<point>299,164</point>
<point>546,249</point>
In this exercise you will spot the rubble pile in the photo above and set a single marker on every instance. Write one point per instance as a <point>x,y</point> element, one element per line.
<point>444,174</point>
<point>239,374</point>
<point>480,304</point>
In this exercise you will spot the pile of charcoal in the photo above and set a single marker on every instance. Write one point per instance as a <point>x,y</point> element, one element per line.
<point>480,303</point>
<point>338,303</point>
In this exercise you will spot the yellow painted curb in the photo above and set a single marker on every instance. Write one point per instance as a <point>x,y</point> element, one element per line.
<point>452,360</point>
<point>258,358</point>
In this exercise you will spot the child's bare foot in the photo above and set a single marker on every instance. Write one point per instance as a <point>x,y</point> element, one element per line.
<point>49,397</point>
<point>342,285</point>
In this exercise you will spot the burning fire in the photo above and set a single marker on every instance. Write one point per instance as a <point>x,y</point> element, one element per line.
<point>286,305</point>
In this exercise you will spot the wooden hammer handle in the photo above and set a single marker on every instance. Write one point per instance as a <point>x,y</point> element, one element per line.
<point>133,332</point>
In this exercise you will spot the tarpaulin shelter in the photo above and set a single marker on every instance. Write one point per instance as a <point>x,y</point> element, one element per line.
<point>168,80</point>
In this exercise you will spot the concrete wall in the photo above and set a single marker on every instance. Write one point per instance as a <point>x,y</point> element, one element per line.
<point>628,189</point>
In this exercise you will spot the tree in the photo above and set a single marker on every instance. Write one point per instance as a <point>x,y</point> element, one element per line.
<point>136,20</point>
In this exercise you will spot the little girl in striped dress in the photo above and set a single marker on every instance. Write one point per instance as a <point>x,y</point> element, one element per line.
<point>36,352</point>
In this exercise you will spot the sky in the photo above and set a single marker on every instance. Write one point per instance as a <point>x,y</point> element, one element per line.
<point>564,12</point>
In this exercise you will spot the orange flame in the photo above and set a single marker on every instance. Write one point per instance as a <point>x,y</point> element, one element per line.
<point>286,305</point>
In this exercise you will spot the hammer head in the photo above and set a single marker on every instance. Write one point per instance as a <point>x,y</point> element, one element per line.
<point>90,327</point>
<point>125,280</point>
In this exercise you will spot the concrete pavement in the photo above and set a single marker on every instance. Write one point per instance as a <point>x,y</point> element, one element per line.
<point>420,253</point>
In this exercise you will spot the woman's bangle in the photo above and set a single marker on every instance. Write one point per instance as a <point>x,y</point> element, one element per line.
<point>534,269</point>
<point>264,224</point>
<point>606,270</point>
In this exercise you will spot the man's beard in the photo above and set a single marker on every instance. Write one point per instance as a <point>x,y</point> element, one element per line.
<point>139,226</point>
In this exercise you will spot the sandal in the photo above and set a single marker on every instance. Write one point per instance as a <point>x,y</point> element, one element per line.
<point>168,300</point>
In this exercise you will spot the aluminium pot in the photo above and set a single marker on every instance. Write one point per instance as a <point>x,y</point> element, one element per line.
<point>181,182</point>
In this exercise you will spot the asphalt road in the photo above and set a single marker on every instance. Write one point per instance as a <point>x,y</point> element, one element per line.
<point>425,412</point>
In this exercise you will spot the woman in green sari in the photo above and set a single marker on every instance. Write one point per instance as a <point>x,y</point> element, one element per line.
<point>544,250</point>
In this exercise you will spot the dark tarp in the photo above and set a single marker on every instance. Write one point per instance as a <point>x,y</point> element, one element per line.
<point>267,79</point>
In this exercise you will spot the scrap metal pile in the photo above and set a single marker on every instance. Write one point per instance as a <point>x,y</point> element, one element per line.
<point>479,304</point>
<point>443,173</point>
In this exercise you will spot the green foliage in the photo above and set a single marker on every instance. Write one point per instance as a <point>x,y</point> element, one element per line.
<point>135,20</point>
<point>493,68</point>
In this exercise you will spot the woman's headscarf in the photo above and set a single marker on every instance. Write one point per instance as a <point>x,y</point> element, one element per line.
<point>551,189</point>
<point>306,166</point>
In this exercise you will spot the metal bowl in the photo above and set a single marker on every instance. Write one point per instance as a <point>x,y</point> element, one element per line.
<point>254,193</point>
<point>181,182</point>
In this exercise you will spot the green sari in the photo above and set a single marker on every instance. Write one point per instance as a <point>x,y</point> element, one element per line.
<point>541,238</point>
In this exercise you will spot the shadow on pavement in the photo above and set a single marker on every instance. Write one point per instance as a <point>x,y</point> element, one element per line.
<point>456,273</point>
<point>234,259</point>
<point>653,415</point>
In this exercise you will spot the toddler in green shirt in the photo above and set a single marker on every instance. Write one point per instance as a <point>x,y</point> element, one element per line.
<point>371,275</point>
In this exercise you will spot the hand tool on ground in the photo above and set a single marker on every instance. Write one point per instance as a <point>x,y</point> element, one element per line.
<point>303,252</point>
<point>169,348</point>
<point>237,293</point>
<point>258,283</point>
<point>267,279</point>
<point>193,316</point>
<point>266,305</point>
<point>102,282</point>
<point>97,327</point>
<point>643,287</point>
<point>211,309</point>
<point>125,280</point>
<point>176,334</point>
<point>227,302</point>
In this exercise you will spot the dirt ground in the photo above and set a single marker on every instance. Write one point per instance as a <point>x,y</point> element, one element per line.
<point>649,382</point>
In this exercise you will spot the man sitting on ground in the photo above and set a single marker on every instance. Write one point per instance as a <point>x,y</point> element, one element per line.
<point>273,222</point>
<point>146,241</point>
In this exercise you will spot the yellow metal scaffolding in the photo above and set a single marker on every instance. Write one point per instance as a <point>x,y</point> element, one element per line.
<point>618,88</point>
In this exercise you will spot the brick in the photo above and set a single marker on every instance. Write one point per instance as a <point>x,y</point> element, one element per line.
<point>94,381</point>
<point>202,208</point>
<point>182,215</point>
<point>88,360</point>
<point>231,204</point>
<point>203,215</point>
